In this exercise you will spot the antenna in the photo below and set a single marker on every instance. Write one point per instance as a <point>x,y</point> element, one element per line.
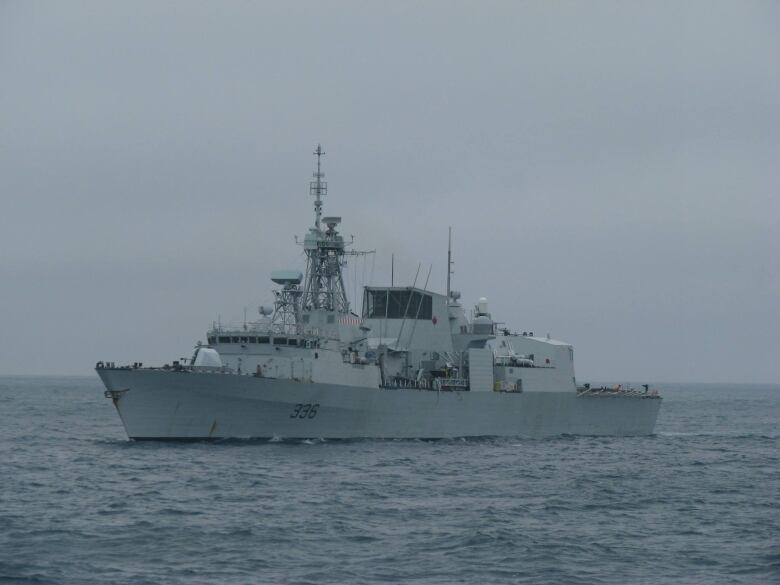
<point>419,306</point>
<point>449,263</point>
<point>325,252</point>
<point>392,268</point>
<point>318,188</point>
<point>406,310</point>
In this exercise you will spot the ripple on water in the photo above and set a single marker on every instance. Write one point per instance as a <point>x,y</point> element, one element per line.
<point>696,503</point>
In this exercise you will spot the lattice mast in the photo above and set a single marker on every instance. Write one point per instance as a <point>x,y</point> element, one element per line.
<point>324,249</point>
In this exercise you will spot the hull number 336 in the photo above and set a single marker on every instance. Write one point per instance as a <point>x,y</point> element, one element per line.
<point>305,411</point>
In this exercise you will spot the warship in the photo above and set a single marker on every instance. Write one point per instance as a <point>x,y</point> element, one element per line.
<point>413,364</point>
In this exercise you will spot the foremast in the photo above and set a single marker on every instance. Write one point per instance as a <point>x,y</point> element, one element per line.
<point>323,287</point>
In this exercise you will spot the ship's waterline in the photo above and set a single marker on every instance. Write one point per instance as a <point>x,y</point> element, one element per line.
<point>174,405</point>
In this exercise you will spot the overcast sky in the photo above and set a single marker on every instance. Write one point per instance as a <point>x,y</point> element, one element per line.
<point>610,171</point>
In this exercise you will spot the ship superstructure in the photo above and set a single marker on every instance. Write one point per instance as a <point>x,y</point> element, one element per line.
<point>413,363</point>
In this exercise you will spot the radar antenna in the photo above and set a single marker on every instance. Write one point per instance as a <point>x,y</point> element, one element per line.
<point>324,248</point>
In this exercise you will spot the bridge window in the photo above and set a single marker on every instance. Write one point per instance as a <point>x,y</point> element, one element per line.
<point>224,340</point>
<point>212,340</point>
<point>263,340</point>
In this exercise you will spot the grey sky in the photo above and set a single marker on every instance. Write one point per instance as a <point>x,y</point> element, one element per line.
<point>610,170</point>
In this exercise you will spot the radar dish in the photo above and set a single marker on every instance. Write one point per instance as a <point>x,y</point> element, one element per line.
<point>286,277</point>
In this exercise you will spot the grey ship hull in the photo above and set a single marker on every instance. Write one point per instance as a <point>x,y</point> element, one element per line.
<point>166,405</point>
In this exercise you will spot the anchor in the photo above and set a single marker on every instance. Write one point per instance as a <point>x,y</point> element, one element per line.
<point>115,395</point>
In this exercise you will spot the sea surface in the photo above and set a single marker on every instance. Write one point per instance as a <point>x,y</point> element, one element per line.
<point>698,502</point>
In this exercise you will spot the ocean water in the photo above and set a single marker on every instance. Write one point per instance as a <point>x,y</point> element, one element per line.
<point>698,502</point>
